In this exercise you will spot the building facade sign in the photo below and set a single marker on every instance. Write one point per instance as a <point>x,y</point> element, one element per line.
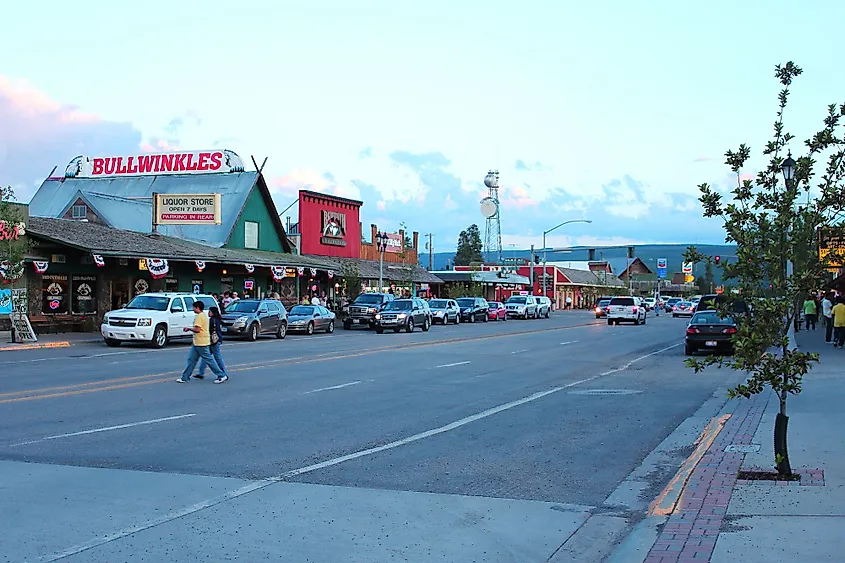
<point>394,243</point>
<point>183,162</point>
<point>187,209</point>
<point>333,228</point>
<point>329,225</point>
<point>54,288</point>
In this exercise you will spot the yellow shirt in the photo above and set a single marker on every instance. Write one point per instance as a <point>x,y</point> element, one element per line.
<point>839,315</point>
<point>202,338</point>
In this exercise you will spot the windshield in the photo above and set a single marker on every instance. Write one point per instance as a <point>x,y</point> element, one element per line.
<point>369,299</point>
<point>520,300</point>
<point>711,318</point>
<point>242,307</point>
<point>398,306</point>
<point>494,304</point>
<point>149,302</point>
<point>302,310</point>
<point>466,302</point>
<point>604,302</point>
<point>438,303</point>
<point>622,301</point>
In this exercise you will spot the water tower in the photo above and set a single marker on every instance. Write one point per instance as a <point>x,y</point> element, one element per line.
<point>490,211</point>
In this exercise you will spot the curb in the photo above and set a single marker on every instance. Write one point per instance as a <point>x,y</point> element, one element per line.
<point>17,347</point>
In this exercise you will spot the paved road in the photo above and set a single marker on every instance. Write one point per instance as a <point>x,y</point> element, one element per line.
<point>485,442</point>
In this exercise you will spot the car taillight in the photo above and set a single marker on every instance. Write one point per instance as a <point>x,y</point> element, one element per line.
<point>674,308</point>
<point>635,309</point>
<point>729,330</point>
<point>693,330</point>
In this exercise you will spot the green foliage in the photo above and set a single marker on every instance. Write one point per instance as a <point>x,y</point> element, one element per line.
<point>774,228</point>
<point>12,251</point>
<point>351,280</point>
<point>469,247</point>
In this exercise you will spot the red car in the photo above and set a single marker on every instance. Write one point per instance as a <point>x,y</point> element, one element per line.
<point>497,311</point>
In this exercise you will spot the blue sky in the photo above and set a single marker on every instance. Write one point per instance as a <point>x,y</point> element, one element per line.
<point>609,111</point>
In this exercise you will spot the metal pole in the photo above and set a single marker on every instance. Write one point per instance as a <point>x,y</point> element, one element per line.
<point>430,253</point>
<point>544,264</point>
<point>380,270</point>
<point>531,269</point>
<point>630,281</point>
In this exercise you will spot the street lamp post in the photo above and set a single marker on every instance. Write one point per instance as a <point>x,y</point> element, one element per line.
<point>544,245</point>
<point>381,244</point>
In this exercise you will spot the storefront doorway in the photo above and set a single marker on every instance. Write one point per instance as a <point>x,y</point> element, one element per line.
<point>119,293</point>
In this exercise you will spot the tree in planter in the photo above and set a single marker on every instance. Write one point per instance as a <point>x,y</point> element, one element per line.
<point>469,247</point>
<point>351,280</point>
<point>13,246</point>
<point>776,264</point>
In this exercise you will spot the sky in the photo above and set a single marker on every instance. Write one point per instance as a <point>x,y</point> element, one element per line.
<point>611,111</point>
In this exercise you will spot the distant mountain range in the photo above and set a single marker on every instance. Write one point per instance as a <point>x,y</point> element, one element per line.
<point>648,253</point>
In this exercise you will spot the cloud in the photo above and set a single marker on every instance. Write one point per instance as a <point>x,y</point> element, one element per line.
<point>38,133</point>
<point>366,152</point>
<point>430,168</point>
<point>521,166</point>
<point>449,204</point>
<point>706,159</point>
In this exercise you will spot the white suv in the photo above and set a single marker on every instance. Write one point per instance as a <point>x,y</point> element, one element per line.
<point>522,306</point>
<point>626,309</point>
<point>154,318</point>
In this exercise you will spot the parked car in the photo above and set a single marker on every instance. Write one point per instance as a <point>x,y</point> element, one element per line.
<point>626,310</point>
<point>601,308</point>
<point>444,311</point>
<point>544,306</point>
<point>671,302</point>
<point>683,309</point>
<point>522,306</point>
<point>497,311</point>
<point>473,309</point>
<point>310,318</point>
<point>403,314</point>
<point>650,303</point>
<point>251,318</point>
<point>708,331</point>
<point>362,312</point>
<point>153,318</point>
<point>714,301</point>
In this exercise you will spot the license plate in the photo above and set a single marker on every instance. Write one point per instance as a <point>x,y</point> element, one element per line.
<point>355,321</point>
<point>711,343</point>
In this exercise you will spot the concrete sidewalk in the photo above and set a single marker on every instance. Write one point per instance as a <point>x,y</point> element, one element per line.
<point>721,519</point>
<point>61,340</point>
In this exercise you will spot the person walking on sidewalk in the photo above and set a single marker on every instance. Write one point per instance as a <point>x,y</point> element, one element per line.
<point>199,349</point>
<point>215,330</point>
<point>839,323</point>
<point>810,314</point>
<point>827,314</point>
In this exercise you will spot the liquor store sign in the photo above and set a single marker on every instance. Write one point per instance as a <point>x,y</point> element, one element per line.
<point>187,209</point>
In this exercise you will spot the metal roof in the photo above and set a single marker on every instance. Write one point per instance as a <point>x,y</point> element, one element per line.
<point>620,265</point>
<point>126,203</point>
<point>481,276</point>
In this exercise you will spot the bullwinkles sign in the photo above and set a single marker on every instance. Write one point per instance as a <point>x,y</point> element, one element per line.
<point>187,209</point>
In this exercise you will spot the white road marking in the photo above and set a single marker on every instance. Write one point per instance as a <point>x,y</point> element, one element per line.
<point>569,342</point>
<point>246,489</point>
<point>106,429</point>
<point>453,365</point>
<point>519,351</point>
<point>332,387</point>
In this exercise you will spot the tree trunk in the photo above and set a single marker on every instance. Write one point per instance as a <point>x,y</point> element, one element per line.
<point>781,453</point>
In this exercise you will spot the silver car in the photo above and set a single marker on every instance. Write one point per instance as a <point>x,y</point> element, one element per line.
<point>310,319</point>
<point>444,311</point>
<point>544,306</point>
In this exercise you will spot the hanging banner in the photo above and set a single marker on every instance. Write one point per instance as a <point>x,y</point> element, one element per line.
<point>41,267</point>
<point>278,273</point>
<point>313,272</point>
<point>157,267</point>
<point>331,274</point>
<point>200,265</point>
<point>98,260</point>
<point>300,271</point>
<point>84,294</point>
<point>249,268</point>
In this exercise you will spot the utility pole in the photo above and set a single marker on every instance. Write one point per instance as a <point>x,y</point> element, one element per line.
<point>531,269</point>
<point>430,252</point>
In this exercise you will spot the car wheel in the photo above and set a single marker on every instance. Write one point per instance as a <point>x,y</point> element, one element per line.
<point>457,319</point>
<point>111,342</point>
<point>645,318</point>
<point>379,330</point>
<point>252,333</point>
<point>159,337</point>
<point>609,322</point>
<point>426,325</point>
<point>472,318</point>
<point>310,329</point>
<point>637,321</point>
<point>410,326</point>
<point>547,314</point>
<point>486,317</point>
<point>347,325</point>
<point>330,328</point>
<point>688,351</point>
<point>504,317</point>
<point>674,316</point>
<point>283,331</point>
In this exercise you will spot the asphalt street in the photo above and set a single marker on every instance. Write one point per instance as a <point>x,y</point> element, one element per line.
<point>484,442</point>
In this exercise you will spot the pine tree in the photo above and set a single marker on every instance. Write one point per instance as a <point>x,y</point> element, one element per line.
<point>469,247</point>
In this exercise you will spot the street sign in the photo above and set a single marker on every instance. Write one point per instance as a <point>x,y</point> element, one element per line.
<point>687,268</point>
<point>661,268</point>
<point>186,209</point>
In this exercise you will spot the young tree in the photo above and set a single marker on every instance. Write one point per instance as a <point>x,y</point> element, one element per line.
<point>351,280</point>
<point>469,247</point>
<point>777,253</point>
<point>13,246</point>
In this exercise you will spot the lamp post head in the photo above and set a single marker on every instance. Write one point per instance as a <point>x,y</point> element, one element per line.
<point>788,168</point>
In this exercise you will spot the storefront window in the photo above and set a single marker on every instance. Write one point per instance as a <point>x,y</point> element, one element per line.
<point>250,234</point>
<point>54,291</point>
<point>84,295</point>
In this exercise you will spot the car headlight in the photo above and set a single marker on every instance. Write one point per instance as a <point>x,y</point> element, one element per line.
<point>106,319</point>
<point>145,322</point>
<point>378,316</point>
<point>241,320</point>
<point>439,313</point>
<point>402,315</point>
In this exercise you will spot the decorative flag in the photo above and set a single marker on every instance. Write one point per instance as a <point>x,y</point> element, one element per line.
<point>200,265</point>
<point>313,272</point>
<point>41,267</point>
<point>157,267</point>
<point>98,260</point>
<point>300,271</point>
<point>331,274</point>
<point>278,272</point>
<point>249,268</point>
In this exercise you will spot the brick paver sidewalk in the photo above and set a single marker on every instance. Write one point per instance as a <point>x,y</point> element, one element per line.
<point>690,533</point>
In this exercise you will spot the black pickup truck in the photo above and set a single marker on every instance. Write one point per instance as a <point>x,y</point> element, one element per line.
<point>362,312</point>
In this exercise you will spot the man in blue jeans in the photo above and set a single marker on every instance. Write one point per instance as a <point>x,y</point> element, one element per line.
<point>202,341</point>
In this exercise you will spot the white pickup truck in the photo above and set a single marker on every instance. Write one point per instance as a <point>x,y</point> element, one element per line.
<point>626,310</point>
<point>153,318</point>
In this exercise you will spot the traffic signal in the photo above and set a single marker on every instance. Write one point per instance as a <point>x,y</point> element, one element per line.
<point>537,259</point>
<point>717,259</point>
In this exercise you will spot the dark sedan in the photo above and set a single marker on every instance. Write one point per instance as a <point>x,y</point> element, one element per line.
<point>473,309</point>
<point>310,318</point>
<point>708,331</point>
<point>601,308</point>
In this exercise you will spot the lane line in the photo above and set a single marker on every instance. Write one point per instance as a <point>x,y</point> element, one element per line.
<point>258,485</point>
<point>632,362</point>
<point>569,342</point>
<point>519,351</point>
<point>106,429</point>
<point>453,365</point>
<point>332,387</point>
